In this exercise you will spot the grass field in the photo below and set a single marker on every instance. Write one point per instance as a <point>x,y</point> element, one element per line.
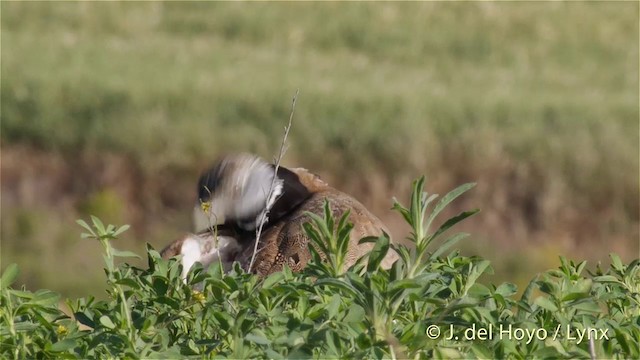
<point>113,109</point>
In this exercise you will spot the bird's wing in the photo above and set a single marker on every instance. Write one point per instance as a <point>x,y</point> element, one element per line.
<point>286,242</point>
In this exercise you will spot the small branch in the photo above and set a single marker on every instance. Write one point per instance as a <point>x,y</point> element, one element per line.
<point>283,150</point>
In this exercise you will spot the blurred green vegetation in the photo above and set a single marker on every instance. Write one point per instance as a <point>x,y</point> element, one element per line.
<point>537,102</point>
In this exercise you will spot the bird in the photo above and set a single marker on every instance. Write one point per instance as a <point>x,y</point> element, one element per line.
<point>242,191</point>
<point>205,248</point>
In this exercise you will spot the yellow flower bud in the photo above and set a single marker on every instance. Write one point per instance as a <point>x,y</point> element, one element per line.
<point>62,330</point>
<point>205,206</point>
<point>198,296</point>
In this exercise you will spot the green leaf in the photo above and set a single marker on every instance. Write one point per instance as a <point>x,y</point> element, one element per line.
<point>21,294</point>
<point>337,284</point>
<point>9,276</point>
<point>85,226</point>
<point>479,291</point>
<point>316,239</point>
<point>452,195</point>
<point>417,196</point>
<point>224,319</point>
<point>272,280</point>
<point>171,302</point>
<point>121,229</point>
<point>83,319</point>
<point>507,289</point>
<point>554,351</point>
<point>616,263</point>
<point>526,294</point>
<point>545,303</point>
<point>402,210</point>
<point>129,282</point>
<point>124,253</point>
<point>586,305</point>
<point>368,240</point>
<point>257,336</point>
<point>454,220</point>
<point>481,351</point>
<point>354,314</point>
<point>27,326</point>
<point>575,296</point>
<point>477,270</point>
<point>64,345</point>
<point>315,255</point>
<point>447,244</point>
<point>333,341</point>
<point>106,322</point>
<point>45,298</point>
<point>271,354</point>
<point>404,284</point>
<point>378,252</point>
<point>334,306</point>
<point>328,215</point>
<point>98,225</point>
<point>607,278</point>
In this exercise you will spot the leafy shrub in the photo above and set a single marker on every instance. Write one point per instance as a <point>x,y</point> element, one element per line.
<point>427,305</point>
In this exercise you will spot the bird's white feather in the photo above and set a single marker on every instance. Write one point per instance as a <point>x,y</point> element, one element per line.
<point>205,250</point>
<point>247,190</point>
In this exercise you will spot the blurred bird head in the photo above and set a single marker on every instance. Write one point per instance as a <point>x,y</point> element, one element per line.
<point>238,190</point>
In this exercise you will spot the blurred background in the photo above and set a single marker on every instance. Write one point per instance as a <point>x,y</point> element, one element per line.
<point>113,109</point>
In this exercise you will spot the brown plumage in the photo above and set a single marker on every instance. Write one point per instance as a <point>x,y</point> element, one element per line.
<point>283,240</point>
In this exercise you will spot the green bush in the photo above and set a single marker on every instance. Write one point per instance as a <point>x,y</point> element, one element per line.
<point>427,305</point>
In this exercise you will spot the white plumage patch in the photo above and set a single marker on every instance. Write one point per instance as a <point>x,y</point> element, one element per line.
<point>254,184</point>
<point>204,249</point>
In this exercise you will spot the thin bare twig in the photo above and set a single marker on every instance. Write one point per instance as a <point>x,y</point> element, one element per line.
<point>283,150</point>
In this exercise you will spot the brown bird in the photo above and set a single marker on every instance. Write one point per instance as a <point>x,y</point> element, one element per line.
<point>242,191</point>
<point>205,248</point>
